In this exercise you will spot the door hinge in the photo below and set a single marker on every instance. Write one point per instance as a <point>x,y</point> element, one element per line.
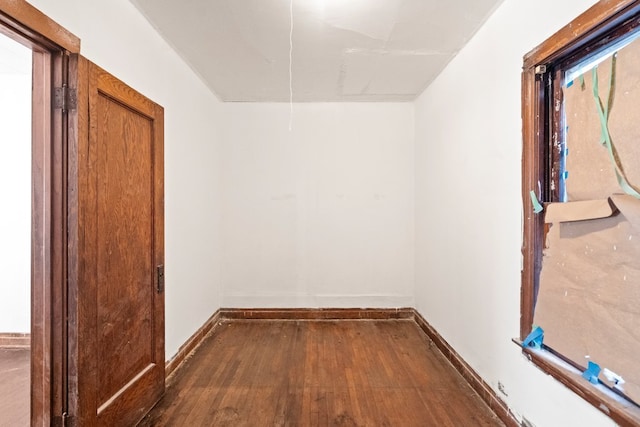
<point>65,98</point>
<point>160,278</point>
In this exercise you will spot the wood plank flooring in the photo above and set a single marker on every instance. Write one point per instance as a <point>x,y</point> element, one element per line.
<point>319,373</point>
<point>15,395</point>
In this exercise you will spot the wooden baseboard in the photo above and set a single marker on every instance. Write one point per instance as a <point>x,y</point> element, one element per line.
<point>476,382</point>
<point>15,340</point>
<point>316,313</point>
<point>191,344</point>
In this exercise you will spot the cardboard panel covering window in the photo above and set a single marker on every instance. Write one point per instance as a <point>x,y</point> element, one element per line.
<point>588,302</point>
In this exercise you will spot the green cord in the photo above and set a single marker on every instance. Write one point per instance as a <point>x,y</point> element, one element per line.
<point>603,113</point>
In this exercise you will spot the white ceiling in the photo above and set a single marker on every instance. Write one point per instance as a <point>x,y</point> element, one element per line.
<point>343,50</point>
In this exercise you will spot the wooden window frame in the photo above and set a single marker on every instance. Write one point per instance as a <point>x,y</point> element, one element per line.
<point>539,169</point>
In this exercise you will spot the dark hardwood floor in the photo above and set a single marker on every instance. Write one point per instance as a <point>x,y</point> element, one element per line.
<point>319,373</point>
<point>14,387</point>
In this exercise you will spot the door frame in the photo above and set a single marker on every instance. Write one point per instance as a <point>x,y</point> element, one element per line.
<point>51,45</point>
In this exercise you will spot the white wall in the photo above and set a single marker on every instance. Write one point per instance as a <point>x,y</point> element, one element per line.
<point>321,216</point>
<point>15,187</point>
<point>115,36</point>
<point>468,208</point>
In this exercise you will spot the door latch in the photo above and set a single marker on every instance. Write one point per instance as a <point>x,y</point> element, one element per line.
<point>160,278</point>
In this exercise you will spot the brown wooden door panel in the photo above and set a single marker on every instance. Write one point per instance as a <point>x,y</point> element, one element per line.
<point>119,344</point>
<point>125,251</point>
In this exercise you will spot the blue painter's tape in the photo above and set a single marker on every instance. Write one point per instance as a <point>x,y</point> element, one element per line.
<point>565,175</point>
<point>592,372</point>
<point>534,339</point>
<point>537,207</point>
<point>570,83</point>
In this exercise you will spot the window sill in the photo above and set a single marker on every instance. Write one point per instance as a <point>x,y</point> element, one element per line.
<point>616,407</point>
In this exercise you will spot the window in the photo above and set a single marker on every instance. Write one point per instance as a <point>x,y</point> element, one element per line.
<point>581,194</point>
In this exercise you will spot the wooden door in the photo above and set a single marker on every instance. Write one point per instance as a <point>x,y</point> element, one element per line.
<point>116,178</point>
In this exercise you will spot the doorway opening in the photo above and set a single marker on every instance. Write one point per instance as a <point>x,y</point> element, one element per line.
<point>45,47</point>
<point>15,229</point>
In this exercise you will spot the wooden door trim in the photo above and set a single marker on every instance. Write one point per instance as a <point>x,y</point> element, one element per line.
<point>41,301</point>
<point>78,124</point>
<point>35,25</point>
<point>49,240</point>
<point>50,44</point>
